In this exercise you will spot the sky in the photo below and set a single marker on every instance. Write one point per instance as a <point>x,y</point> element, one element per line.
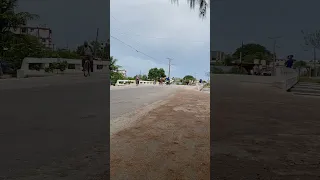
<point>160,30</point>
<point>252,21</point>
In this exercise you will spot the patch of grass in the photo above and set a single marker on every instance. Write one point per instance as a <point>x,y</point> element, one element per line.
<point>308,79</point>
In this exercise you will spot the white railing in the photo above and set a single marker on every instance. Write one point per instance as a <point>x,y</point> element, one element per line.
<point>288,77</point>
<point>74,66</point>
<point>133,82</point>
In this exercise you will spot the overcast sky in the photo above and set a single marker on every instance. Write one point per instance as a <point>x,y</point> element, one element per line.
<point>160,30</point>
<point>234,21</point>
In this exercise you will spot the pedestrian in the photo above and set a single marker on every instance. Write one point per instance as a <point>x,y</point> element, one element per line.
<point>289,62</point>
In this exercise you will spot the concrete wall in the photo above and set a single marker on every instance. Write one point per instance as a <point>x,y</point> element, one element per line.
<point>286,77</point>
<point>25,71</point>
<point>133,82</point>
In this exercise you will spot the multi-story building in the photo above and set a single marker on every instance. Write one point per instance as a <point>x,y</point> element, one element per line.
<point>217,56</point>
<point>43,33</point>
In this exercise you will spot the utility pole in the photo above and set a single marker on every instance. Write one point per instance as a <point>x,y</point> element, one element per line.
<point>274,52</point>
<point>169,66</point>
<point>241,56</point>
<point>96,43</point>
<point>314,62</point>
<point>241,52</point>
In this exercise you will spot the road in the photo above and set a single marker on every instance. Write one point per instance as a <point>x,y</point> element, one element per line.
<point>58,128</point>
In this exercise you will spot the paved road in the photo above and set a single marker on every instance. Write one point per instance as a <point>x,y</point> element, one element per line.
<point>61,128</point>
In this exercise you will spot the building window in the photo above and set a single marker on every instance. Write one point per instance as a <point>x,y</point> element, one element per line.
<point>31,29</point>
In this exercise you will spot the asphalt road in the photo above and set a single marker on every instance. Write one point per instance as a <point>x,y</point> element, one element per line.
<point>58,128</point>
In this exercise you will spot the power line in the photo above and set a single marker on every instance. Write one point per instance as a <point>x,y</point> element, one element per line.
<point>138,51</point>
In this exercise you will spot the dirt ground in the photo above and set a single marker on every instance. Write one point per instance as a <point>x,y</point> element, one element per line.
<point>171,142</point>
<point>258,133</point>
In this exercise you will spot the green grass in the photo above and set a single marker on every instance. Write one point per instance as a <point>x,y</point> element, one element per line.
<point>307,79</point>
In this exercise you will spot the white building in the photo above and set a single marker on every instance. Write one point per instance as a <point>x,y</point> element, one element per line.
<point>43,33</point>
<point>122,71</point>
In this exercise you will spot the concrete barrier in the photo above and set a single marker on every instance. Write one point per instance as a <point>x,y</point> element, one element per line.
<point>286,77</point>
<point>74,66</point>
<point>133,82</point>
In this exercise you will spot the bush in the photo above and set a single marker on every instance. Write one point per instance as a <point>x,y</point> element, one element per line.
<point>238,70</point>
<point>61,66</point>
<point>216,70</point>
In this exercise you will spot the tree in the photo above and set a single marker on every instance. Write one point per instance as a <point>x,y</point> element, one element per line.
<point>203,5</point>
<point>252,51</point>
<point>113,64</point>
<point>116,76</point>
<point>156,74</point>
<point>228,60</point>
<point>11,19</point>
<point>144,77</point>
<point>299,65</point>
<point>312,40</point>
<point>21,46</point>
<point>100,48</point>
<point>189,77</point>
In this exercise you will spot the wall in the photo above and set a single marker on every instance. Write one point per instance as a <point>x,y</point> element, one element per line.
<point>24,71</point>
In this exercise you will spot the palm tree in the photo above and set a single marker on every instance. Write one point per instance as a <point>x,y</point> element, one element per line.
<point>203,5</point>
<point>113,64</point>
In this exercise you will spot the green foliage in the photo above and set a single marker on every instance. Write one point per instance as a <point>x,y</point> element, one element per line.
<point>188,77</point>
<point>156,74</point>
<point>116,76</point>
<point>100,48</point>
<point>130,78</point>
<point>113,64</point>
<point>300,64</point>
<point>203,5</point>
<point>63,53</point>
<point>144,77</point>
<point>59,66</point>
<point>10,18</point>
<point>228,60</point>
<point>252,51</point>
<point>216,70</point>
<point>238,70</point>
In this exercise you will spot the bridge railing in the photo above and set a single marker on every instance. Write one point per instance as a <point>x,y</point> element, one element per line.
<point>74,66</point>
<point>133,82</point>
<point>287,77</point>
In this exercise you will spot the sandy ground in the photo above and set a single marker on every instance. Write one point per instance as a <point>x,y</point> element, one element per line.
<point>171,142</point>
